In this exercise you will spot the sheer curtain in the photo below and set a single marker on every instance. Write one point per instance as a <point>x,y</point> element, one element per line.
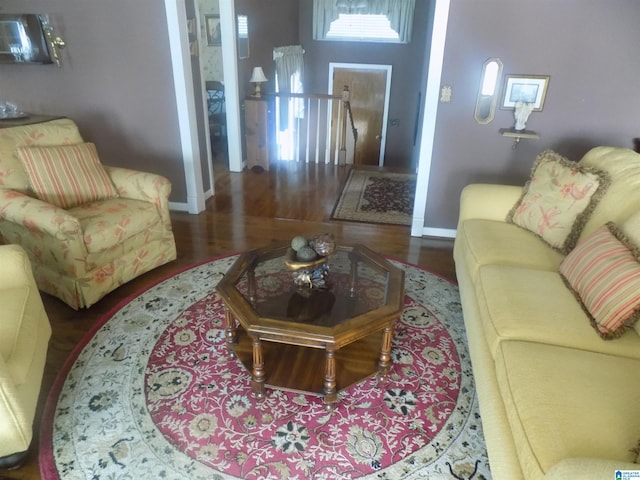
<point>290,76</point>
<point>399,13</point>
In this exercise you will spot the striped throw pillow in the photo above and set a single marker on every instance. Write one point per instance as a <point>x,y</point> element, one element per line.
<point>604,273</point>
<point>67,175</point>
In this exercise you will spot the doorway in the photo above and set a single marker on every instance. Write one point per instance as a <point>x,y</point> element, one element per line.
<point>369,87</point>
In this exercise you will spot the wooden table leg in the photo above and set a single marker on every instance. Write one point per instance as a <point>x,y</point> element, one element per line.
<point>330,393</point>
<point>230,328</point>
<point>385,353</point>
<point>258,369</point>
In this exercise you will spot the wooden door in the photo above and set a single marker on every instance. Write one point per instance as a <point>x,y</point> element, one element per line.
<point>368,89</point>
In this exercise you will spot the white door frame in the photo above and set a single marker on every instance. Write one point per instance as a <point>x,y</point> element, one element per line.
<point>186,106</point>
<point>427,136</point>
<point>185,99</point>
<point>385,113</point>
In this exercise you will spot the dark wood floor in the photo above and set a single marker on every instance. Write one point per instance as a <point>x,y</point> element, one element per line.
<point>248,210</point>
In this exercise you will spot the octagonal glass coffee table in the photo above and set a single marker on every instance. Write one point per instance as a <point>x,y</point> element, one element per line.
<point>317,341</point>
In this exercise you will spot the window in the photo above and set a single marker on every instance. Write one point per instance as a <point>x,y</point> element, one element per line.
<point>350,26</point>
<point>389,21</point>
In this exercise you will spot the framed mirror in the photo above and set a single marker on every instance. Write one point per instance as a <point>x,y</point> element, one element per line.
<point>243,37</point>
<point>488,91</point>
<point>22,39</point>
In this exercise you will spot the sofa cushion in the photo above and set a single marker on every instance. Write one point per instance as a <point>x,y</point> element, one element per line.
<point>604,274</point>
<point>67,175</point>
<point>62,131</point>
<point>558,199</point>
<point>484,242</point>
<point>622,198</point>
<point>564,402</point>
<point>516,303</point>
<point>110,222</point>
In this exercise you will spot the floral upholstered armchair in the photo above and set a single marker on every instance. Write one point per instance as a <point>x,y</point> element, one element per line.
<point>87,228</point>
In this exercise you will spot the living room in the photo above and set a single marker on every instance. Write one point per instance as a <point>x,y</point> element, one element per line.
<point>131,114</point>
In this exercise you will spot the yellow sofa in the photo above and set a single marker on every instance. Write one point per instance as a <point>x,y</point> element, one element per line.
<point>556,400</point>
<point>24,338</point>
<point>82,253</point>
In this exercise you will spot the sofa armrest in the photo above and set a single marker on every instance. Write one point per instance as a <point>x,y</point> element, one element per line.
<point>16,269</point>
<point>487,201</point>
<point>37,216</point>
<point>145,186</point>
<point>587,469</point>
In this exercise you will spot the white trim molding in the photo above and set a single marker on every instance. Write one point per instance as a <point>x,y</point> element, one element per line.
<point>431,97</point>
<point>185,103</point>
<point>439,232</point>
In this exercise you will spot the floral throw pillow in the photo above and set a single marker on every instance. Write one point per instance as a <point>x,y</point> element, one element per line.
<point>67,175</point>
<point>558,200</point>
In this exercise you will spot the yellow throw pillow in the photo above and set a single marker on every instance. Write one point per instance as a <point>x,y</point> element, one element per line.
<point>67,175</point>
<point>604,274</point>
<point>558,200</point>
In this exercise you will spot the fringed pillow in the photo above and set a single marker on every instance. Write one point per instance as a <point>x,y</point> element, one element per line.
<point>558,200</point>
<point>604,274</point>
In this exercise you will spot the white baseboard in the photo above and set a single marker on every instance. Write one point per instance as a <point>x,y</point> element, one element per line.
<point>179,206</point>
<point>439,232</point>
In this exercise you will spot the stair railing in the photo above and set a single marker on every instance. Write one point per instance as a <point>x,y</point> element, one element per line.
<point>325,122</point>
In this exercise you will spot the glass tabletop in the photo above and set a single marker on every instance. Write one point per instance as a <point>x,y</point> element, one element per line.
<point>358,282</point>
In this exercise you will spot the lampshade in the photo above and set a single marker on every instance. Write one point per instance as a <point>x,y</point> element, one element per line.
<point>258,75</point>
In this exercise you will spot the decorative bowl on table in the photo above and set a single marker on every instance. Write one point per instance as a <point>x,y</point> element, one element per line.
<point>308,261</point>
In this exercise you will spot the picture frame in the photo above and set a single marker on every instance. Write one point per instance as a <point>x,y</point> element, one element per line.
<point>212,28</point>
<point>525,88</point>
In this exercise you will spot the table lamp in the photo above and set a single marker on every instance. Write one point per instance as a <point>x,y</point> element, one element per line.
<point>257,77</point>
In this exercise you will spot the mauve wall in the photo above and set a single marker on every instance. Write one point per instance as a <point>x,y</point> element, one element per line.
<point>272,23</point>
<point>590,50</point>
<point>406,60</point>
<point>116,81</point>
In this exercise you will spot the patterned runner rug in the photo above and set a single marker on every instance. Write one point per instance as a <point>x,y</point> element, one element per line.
<point>153,393</point>
<point>376,197</point>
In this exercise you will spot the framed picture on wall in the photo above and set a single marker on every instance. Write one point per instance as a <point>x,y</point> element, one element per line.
<point>525,88</point>
<point>212,26</point>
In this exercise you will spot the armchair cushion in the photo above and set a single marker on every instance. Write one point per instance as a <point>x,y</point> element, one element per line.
<point>107,223</point>
<point>67,175</point>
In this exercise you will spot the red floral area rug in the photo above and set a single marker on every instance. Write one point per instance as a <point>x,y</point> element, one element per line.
<point>154,393</point>
<point>374,196</point>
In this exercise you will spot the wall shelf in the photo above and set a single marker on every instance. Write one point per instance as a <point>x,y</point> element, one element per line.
<point>518,134</point>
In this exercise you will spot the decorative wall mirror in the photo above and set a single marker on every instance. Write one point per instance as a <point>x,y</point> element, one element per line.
<point>488,91</point>
<point>243,37</point>
<point>22,39</point>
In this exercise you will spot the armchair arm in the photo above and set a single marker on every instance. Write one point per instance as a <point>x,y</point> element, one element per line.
<point>491,202</point>
<point>145,186</point>
<point>37,216</point>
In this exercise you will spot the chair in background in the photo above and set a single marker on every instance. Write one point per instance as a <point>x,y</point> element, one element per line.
<point>217,112</point>
<point>24,340</point>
